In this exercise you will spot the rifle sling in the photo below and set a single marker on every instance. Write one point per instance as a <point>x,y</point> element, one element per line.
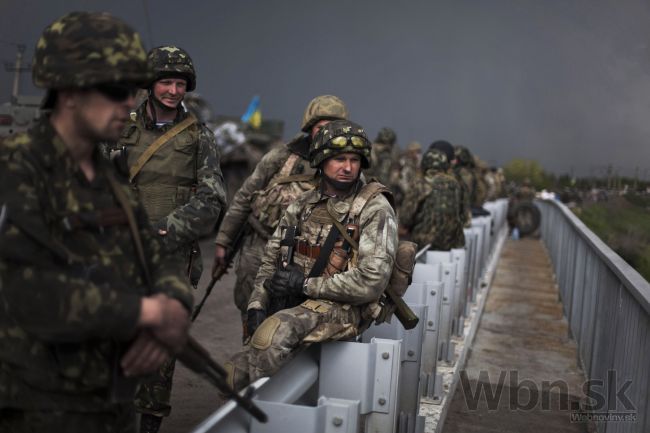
<point>325,251</point>
<point>153,147</point>
<point>135,233</point>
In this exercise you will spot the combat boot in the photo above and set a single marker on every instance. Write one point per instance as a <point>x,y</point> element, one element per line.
<point>150,423</point>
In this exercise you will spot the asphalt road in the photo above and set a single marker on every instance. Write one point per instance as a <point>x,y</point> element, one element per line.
<point>218,328</point>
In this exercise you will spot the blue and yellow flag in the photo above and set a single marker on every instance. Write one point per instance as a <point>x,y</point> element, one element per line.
<point>253,115</point>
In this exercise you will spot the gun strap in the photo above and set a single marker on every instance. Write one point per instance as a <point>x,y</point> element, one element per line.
<point>325,251</point>
<point>123,200</point>
<point>157,144</point>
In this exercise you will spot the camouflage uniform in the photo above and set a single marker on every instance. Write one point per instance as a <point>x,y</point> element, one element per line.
<point>337,306</point>
<point>464,171</point>
<point>260,202</point>
<point>409,170</point>
<point>432,211</point>
<point>182,190</point>
<point>71,280</point>
<point>383,157</point>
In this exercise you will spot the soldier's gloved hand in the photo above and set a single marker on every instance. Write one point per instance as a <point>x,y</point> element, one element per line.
<point>254,319</point>
<point>287,281</point>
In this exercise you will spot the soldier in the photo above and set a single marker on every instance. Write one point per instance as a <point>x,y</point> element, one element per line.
<point>465,171</point>
<point>281,176</point>
<point>409,168</point>
<point>432,212</point>
<point>173,163</point>
<point>448,149</point>
<point>344,235</point>
<point>82,308</point>
<point>383,156</point>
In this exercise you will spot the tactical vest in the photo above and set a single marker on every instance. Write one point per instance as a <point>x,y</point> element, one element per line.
<point>168,178</point>
<point>294,178</point>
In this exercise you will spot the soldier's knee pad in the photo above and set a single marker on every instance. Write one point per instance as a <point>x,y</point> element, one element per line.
<point>263,336</point>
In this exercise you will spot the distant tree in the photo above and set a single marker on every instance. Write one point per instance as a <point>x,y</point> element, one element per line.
<point>518,170</point>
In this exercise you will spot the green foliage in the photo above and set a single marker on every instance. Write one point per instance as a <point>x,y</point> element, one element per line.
<point>519,170</point>
<point>624,225</point>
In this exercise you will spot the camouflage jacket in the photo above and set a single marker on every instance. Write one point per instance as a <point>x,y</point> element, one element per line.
<point>242,206</point>
<point>432,212</point>
<point>196,213</point>
<point>71,282</point>
<point>360,284</point>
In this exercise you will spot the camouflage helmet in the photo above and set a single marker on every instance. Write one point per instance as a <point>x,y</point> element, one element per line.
<point>170,61</point>
<point>464,156</point>
<point>434,159</point>
<point>83,49</point>
<point>323,107</point>
<point>386,136</point>
<point>352,137</point>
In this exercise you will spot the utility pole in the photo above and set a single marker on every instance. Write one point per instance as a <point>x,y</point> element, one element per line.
<point>17,68</point>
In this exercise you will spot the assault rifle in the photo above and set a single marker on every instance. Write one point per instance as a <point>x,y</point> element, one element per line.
<point>221,270</point>
<point>197,359</point>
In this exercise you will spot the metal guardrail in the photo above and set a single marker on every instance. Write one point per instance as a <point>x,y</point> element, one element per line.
<point>607,304</point>
<point>375,384</point>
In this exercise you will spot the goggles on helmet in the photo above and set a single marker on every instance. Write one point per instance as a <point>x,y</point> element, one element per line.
<point>343,141</point>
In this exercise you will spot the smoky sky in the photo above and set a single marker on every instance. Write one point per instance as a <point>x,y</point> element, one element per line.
<point>564,82</point>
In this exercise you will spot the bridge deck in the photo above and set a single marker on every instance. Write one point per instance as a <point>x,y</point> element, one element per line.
<point>522,342</point>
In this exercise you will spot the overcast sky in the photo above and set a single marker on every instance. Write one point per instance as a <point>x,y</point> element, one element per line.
<point>565,82</point>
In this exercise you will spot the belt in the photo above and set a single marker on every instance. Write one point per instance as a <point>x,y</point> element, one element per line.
<point>307,249</point>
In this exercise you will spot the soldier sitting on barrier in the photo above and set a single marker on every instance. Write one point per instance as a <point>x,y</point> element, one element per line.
<point>432,212</point>
<point>344,235</point>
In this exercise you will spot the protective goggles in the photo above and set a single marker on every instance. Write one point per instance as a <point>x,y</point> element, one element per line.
<point>343,141</point>
<point>117,92</point>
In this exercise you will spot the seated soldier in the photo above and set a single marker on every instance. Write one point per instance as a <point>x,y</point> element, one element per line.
<point>328,262</point>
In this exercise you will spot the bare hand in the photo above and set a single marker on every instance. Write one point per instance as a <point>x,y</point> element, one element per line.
<point>145,355</point>
<point>168,320</point>
<point>219,259</point>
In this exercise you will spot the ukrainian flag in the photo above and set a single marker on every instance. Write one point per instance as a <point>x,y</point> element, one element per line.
<point>253,115</point>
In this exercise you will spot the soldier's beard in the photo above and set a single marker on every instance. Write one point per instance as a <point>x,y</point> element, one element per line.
<point>340,186</point>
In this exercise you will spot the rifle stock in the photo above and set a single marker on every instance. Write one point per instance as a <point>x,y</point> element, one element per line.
<point>197,359</point>
<point>404,314</point>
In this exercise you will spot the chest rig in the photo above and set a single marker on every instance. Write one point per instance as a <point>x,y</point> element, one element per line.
<point>168,178</point>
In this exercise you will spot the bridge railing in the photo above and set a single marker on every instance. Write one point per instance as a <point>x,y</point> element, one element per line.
<point>607,304</point>
<point>377,383</point>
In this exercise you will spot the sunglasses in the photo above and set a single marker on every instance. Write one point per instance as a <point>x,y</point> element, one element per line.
<point>343,141</point>
<point>117,92</point>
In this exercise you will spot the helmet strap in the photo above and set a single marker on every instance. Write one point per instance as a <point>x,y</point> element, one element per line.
<point>341,188</point>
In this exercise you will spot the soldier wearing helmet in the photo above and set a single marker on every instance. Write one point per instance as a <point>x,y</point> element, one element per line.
<point>328,263</point>
<point>432,212</point>
<point>82,321</point>
<point>449,151</point>
<point>172,161</point>
<point>384,157</point>
<point>281,176</point>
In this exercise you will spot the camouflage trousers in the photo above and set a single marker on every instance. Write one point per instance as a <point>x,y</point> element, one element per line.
<point>283,335</point>
<point>154,394</point>
<point>248,263</point>
<point>120,420</point>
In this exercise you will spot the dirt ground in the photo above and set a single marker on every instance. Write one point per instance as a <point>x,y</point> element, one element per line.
<point>218,328</point>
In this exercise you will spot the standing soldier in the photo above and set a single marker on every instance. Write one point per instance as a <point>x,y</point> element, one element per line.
<point>173,163</point>
<point>281,176</point>
<point>344,235</point>
<point>465,172</point>
<point>79,315</point>
<point>432,212</point>
<point>409,169</point>
<point>383,156</point>
<point>466,206</point>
